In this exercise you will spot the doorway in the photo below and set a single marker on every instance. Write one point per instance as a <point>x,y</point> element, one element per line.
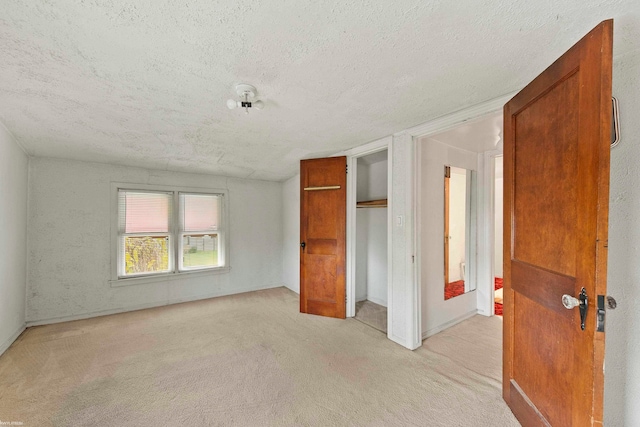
<point>371,244</point>
<point>498,204</point>
<point>456,270</point>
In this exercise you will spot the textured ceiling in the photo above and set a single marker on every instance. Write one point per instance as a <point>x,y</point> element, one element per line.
<point>144,83</point>
<point>478,135</point>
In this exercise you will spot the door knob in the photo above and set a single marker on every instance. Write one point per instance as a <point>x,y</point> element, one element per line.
<point>570,302</point>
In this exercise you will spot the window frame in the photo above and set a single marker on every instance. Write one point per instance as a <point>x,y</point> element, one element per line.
<point>181,233</point>
<point>175,233</point>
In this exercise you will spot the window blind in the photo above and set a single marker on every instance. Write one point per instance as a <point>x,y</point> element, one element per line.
<point>200,212</point>
<point>144,212</point>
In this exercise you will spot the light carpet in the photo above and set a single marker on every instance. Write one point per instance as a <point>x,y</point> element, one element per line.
<point>372,314</point>
<point>249,360</point>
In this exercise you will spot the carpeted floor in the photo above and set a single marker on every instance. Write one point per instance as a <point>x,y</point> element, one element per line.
<point>372,314</point>
<point>249,360</point>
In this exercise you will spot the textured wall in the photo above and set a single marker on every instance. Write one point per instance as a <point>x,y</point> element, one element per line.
<point>69,240</point>
<point>622,373</point>
<point>13,238</point>
<point>291,233</point>
<point>436,312</point>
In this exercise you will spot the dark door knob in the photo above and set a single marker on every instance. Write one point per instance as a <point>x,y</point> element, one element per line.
<point>302,245</point>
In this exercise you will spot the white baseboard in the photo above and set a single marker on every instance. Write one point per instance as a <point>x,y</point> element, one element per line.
<point>448,324</point>
<point>378,301</point>
<point>292,288</point>
<point>88,315</point>
<point>7,343</point>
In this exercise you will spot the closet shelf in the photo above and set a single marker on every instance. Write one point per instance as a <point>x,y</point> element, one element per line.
<point>380,203</point>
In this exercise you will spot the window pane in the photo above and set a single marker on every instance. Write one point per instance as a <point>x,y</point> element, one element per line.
<point>200,250</point>
<point>144,212</point>
<point>147,254</point>
<point>199,212</point>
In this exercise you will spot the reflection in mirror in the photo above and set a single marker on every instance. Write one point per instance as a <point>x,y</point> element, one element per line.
<point>457,232</point>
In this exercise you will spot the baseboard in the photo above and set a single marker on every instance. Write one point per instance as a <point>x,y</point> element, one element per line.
<point>7,343</point>
<point>377,301</point>
<point>88,315</point>
<point>292,288</point>
<point>449,324</point>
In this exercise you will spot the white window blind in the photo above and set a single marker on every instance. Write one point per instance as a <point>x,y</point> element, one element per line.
<point>200,212</point>
<point>144,212</point>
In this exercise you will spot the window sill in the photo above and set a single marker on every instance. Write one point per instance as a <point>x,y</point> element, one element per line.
<point>128,281</point>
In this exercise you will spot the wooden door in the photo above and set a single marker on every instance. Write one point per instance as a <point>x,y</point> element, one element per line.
<point>323,223</point>
<point>556,155</point>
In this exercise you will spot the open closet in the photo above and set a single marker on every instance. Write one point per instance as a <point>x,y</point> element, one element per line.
<point>371,240</point>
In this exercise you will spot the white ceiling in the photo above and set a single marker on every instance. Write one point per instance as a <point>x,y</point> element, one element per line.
<point>145,83</point>
<point>478,135</point>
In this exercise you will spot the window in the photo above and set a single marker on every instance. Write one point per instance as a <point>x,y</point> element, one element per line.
<point>145,238</point>
<point>161,233</point>
<point>199,231</point>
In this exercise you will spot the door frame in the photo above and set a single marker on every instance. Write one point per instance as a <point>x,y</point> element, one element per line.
<point>486,233</point>
<point>484,287</point>
<point>404,232</point>
<point>352,184</point>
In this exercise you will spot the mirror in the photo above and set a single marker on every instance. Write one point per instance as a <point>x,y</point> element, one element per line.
<point>459,233</point>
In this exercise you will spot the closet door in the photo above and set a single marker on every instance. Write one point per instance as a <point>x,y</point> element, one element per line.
<point>323,222</point>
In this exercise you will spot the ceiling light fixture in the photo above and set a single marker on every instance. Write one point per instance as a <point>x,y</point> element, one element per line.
<point>246,92</point>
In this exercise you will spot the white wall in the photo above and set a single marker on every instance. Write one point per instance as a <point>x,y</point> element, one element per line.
<point>13,238</point>
<point>438,314</point>
<point>362,231</point>
<point>622,359</point>
<point>498,226</point>
<point>69,240</point>
<point>291,233</point>
<point>362,246</point>
<point>377,255</point>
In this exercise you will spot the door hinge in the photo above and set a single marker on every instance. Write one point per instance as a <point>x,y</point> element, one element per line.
<point>413,259</point>
<point>347,169</point>
<point>447,171</point>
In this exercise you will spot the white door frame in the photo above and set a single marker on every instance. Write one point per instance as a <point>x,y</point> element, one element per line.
<point>485,246</point>
<point>486,232</point>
